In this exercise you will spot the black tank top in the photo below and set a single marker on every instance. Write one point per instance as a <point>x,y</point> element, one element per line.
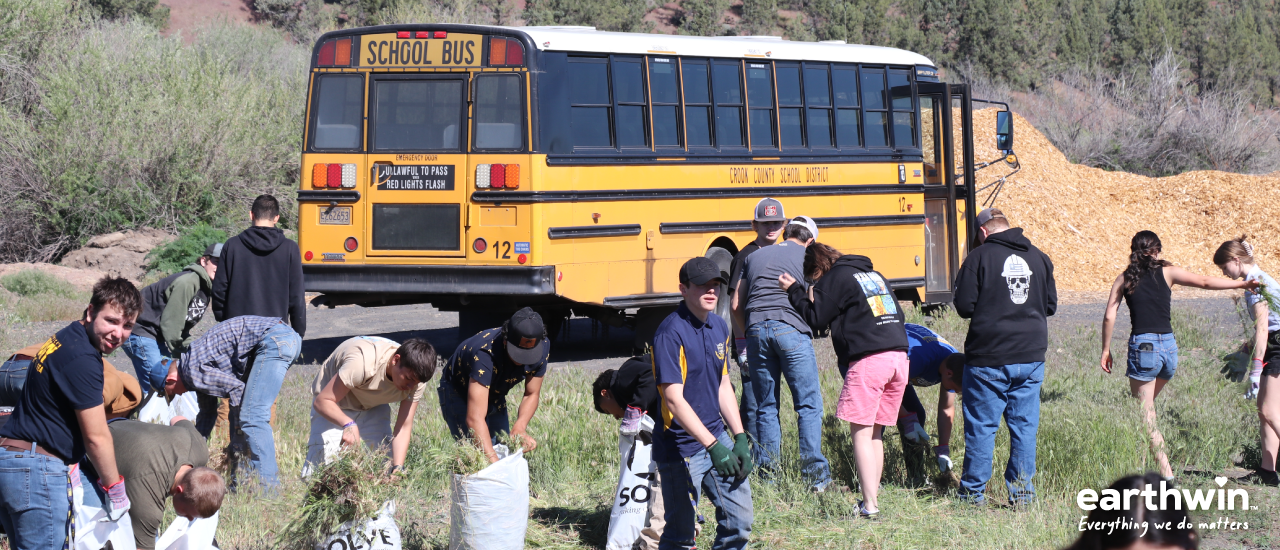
<point>1149,304</point>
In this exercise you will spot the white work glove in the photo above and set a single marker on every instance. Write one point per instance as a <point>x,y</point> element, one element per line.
<point>943,452</point>
<point>117,502</point>
<point>915,433</point>
<point>1252,392</point>
<point>631,421</point>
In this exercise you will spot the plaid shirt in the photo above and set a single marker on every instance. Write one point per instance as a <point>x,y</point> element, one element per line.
<point>217,364</point>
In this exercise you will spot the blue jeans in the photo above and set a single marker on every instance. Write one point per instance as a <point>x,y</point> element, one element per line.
<point>776,349</point>
<point>1011,391</point>
<point>682,484</point>
<point>147,354</point>
<point>250,422</point>
<point>34,500</point>
<point>453,407</point>
<point>747,408</point>
<point>1158,360</point>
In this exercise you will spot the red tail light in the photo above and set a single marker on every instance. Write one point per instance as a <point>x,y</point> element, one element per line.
<point>326,53</point>
<point>479,246</point>
<point>497,176</point>
<point>422,34</point>
<point>522,258</point>
<point>335,53</point>
<point>404,34</point>
<point>308,256</point>
<point>350,244</point>
<point>442,34</point>
<point>335,175</point>
<point>515,53</point>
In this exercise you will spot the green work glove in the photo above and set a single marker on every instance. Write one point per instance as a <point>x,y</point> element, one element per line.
<point>742,450</point>
<point>1237,366</point>
<point>723,459</point>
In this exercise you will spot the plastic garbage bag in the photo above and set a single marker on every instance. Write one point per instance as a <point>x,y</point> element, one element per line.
<point>93,530</point>
<point>189,535</point>
<point>489,509</point>
<point>156,411</point>
<point>635,485</point>
<point>378,533</point>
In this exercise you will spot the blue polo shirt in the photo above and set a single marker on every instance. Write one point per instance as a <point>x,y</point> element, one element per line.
<point>693,353</point>
<point>927,350</point>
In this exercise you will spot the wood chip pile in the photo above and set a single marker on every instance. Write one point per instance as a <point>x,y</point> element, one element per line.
<point>1084,218</point>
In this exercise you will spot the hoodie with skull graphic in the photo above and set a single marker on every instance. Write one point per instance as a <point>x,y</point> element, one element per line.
<point>1006,288</point>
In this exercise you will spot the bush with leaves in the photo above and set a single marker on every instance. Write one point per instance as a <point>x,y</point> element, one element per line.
<point>185,250</point>
<point>30,283</point>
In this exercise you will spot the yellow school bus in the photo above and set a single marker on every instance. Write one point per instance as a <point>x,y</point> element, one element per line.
<point>483,168</point>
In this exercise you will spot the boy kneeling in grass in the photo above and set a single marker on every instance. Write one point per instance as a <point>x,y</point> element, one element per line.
<point>691,368</point>
<point>353,395</point>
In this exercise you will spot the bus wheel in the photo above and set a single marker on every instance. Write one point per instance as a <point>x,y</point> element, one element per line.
<point>724,259</point>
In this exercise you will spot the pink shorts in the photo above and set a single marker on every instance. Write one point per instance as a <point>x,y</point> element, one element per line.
<point>873,389</point>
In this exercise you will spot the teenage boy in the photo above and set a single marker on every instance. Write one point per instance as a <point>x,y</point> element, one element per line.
<point>691,368</point>
<point>768,221</point>
<point>243,360</point>
<point>171,307</point>
<point>162,462</point>
<point>60,418</point>
<point>780,343</point>
<point>354,391</point>
<point>631,386</point>
<point>260,271</point>
<point>934,362</point>
<point>1006,287</point>
<point>483,369</point>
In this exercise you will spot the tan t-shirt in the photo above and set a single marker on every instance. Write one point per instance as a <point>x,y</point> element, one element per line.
<point>361,364</point>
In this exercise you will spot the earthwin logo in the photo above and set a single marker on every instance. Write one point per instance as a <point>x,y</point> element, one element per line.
<point>1164,498</point>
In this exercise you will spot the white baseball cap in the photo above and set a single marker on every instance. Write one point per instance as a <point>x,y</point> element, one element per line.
<point>808,223</point>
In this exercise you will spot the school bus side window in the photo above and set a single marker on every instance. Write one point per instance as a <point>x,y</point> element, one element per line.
<point>727,79</point>
<point>817,91</point>
<point>417,114</point>
<point>875,107</point>
<point>904,116</point>
<point>336,112</point>
<point>589,102</point>
<point>844,84</point>
<point>630,119</point>
<point>790,106</point>
<point>499,112</point>
<point>760,104</point>
<point>665,90</point>
<point>697,101</point>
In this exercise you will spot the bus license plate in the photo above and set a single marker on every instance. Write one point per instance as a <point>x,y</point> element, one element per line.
<point>335,215</point>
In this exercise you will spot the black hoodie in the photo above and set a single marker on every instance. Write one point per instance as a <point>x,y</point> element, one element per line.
<point>858,304</point>
<point>260,273</point>
<point>1006,288</point>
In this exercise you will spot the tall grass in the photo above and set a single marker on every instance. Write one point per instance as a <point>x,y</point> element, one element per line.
<point>109,125</point>
<point>32,295</point>
<point>1091,433</point>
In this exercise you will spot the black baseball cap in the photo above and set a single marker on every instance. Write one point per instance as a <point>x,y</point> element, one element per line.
<point>526,338</point>
<point>700,270</point>
<point>214,250</point>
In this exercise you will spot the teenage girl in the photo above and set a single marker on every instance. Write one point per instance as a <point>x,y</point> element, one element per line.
<point>1153,354</point>
<point>1235,258</point>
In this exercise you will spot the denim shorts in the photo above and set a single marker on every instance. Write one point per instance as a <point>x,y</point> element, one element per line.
<point>1152,356</point>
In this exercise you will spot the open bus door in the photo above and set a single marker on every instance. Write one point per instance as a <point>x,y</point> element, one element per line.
<point>947,194</point>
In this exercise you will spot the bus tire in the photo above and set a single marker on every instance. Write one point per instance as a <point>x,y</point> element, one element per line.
<point>724,259</point>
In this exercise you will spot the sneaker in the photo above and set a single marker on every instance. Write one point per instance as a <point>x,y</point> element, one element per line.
<point>867,514</point>
<point>1266,477</point>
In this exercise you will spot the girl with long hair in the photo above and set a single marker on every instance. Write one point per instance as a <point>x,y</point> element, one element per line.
<point>1235,258</point>
<point>1146,285</point>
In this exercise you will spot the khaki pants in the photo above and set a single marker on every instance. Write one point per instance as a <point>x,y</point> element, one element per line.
<point>657,519</point>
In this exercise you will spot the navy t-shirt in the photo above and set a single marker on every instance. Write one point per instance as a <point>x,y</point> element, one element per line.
<point>64,377</point>
<point>693,353</point>
<point>483,358</point>
<point>927,350</point>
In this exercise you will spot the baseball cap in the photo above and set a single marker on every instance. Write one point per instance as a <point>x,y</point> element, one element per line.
<point>807,222</point>
<point>700,270</point>
<point>526,337</point>
<point>214,250</point>
<point>769,210</point>
<point>987,214</point>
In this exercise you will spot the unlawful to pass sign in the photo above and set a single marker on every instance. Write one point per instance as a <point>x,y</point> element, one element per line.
<point>415,177</point>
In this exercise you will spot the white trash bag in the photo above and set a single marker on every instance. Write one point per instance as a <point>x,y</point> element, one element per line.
<point>635,487</point>
<point>189,535</point>
<point>378,533</point>
<point>93,530</point>
<point>156,411</point>
<point>489,509</point>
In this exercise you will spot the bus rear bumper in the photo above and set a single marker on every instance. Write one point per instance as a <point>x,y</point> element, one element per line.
<point>430,279</point>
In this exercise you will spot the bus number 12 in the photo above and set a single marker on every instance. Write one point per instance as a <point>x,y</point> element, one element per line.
<point>499,252</point>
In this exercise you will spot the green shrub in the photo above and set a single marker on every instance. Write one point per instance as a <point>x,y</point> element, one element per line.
<point>151,11</point>
<point>185,250</point>
<point>31,283</point>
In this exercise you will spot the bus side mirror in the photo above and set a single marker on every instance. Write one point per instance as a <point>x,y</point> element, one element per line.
<point>1004,131</point>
